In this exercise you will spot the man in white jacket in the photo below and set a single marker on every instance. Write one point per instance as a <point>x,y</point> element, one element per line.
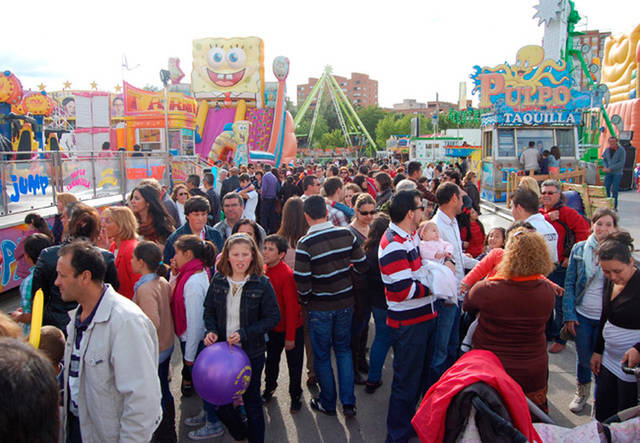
<point>112,392</point>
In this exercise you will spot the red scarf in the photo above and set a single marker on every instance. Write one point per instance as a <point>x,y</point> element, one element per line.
<point>177,301</point>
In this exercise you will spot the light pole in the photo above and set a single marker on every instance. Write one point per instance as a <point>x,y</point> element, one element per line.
<point>164,77</point>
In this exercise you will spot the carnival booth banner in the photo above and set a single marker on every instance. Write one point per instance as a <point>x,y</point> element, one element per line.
<point>139,102</point>
<point>228,68</point>
<point>533,91</point>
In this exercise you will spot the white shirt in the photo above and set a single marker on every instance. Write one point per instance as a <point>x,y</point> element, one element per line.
<point>250,206</point>
<point>428,173</point>
<point>591,306</point>
<point>449,231</point>
<point>548,232</point>
<point>195,291</point>
<point>233,305</point>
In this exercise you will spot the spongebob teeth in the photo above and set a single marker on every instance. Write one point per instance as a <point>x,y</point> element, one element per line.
<point>221,76</point>
<point>229,76</point>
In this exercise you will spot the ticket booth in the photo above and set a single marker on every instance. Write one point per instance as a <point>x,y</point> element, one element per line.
<point>530,101</point>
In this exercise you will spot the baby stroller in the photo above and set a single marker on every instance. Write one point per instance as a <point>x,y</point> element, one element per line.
<point>477,401</point>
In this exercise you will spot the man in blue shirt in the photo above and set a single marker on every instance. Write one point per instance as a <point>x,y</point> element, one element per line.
<point>613,160</point>
<point>269,194</point>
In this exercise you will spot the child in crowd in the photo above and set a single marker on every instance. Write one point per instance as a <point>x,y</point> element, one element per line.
<point>240,308</point>
<point>287,334</point>
<point>249,195</point>
<point>494,240</point>
<point>431,247</point>
<point>472,234</point>
<point>193,258</point>
<point>52,344</point>
<point>33,246</point>
<point>152,292</point>
<point>439,278</point>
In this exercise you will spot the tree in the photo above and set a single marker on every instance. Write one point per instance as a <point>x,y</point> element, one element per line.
<point>384,129</point>
<point>370,116</point>
<point>332,139</point>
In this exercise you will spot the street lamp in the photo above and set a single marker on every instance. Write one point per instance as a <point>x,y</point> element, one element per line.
<point>165,75</point>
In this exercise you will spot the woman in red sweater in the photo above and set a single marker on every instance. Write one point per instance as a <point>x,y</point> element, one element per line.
<point>120,226</point>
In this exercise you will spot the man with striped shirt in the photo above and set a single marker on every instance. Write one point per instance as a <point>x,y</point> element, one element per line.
<point>411,314</point>
<point>324,258</point>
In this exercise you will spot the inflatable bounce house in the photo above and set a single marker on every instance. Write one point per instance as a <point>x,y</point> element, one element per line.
<point>621,73</point>
<point>22,115</point>
<point>240,116</point>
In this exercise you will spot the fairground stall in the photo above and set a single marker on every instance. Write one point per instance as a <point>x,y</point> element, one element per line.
<point>152,127</point>
<point>529,101</point>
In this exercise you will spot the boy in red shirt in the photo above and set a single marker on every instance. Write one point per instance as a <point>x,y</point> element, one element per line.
<point>287,334</point>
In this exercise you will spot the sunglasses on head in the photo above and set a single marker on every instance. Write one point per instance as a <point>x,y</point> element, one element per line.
<point>374,212</point>
<point>421,208</point>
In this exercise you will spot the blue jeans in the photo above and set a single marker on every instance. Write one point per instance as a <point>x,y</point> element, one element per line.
<point>329,329</point>
<point>163,375</point>
<point>446,342</point>
<point>555,321</point>
<point>586,335</point>
<point>208,408</point>
<point>611,185</point>
<point>412,346</point>
<point>380,346</point>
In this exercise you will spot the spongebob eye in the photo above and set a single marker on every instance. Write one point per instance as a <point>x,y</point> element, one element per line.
<point>215,57</point>
<point>236,58</point>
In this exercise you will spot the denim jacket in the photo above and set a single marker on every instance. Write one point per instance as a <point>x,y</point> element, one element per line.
<point>575,282</point>
<point>259,312</point>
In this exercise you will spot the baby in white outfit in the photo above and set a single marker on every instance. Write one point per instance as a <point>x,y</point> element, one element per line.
<point>433,273</point>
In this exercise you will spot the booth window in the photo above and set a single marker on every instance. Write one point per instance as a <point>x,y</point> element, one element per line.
<point>506,143</point>
<point>542,138</point>
<point>487,143</point>
<point>565,141</point>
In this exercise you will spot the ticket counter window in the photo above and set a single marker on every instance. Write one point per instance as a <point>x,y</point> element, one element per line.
<point>542,138</point>
<point>506,143</point>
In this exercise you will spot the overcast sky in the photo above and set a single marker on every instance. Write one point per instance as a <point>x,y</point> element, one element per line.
<point>413,48</point>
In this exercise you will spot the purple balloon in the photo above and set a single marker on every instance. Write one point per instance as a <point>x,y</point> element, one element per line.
<point>221,373</point>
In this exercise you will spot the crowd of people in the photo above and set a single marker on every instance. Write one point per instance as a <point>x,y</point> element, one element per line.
<point>304,259</point>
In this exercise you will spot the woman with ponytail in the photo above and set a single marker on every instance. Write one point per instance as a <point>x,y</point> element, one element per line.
<point>152,293</point>
<point>192,259</point>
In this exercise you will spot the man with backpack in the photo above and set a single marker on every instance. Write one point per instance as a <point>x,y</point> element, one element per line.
<point>571,227</point>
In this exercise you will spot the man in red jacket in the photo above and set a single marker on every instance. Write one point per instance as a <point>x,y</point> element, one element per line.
<point>287,334</point>
<point>571,228</point>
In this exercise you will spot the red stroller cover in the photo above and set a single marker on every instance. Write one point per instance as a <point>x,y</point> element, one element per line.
<point>474,366</point>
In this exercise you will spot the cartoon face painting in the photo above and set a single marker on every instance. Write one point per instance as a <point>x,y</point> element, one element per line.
<point>222,66</point>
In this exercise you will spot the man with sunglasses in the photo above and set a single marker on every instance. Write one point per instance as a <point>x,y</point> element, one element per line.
<point>571,228</point>
<point>410,315</point>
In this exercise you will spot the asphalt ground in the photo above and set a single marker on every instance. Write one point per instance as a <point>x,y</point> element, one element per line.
<point>369,425</point>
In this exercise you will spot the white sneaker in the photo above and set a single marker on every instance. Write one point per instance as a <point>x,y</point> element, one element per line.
<point>196,420</point>
<point>580,397</point>
<point>209,430</point>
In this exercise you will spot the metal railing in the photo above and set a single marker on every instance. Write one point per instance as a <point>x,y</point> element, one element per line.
<point>33,184</point>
